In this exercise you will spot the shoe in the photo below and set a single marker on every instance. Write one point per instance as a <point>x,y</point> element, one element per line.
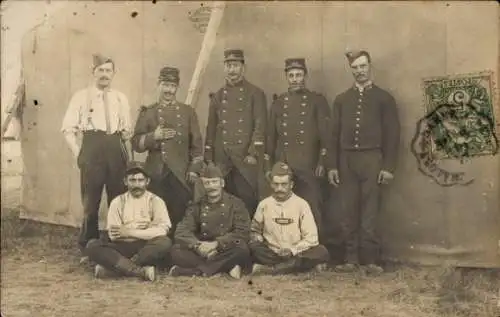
<point>235,272</point>
<point>181,271</point>
<point>373,269</point>
<point>84,261</point>
<point>262,269</point>
<point>319,268</point>
<point>346,268</point>
<point>149,273</point>
<point>99,271</point>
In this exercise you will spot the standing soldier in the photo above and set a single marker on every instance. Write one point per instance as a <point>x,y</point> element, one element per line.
<point>169,131</point>
<point>101,116</point>
<point>298,134</point>
<point>236,122</point>
<point>364,150</point>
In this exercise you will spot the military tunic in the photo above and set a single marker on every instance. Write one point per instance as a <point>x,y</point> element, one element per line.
<point>299,135</point>
<point>226,222</point>
<point>169,161</point>
<point>366,132</point>
<point>237,118</point>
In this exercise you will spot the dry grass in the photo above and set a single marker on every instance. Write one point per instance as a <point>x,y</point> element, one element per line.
<point>40,277</point>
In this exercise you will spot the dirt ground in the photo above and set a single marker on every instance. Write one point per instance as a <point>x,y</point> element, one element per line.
<point>40,277</point>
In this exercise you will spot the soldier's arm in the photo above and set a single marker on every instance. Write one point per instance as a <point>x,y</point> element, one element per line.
<point>257,225</point>
<point>241,227</point>
<point>323,119</point>
<point>143,139</point>
<point>71,123</point>
<point>185,231</point>
<point>259,112</point>
<point>195,143</point>
<point>390,134</point>
<point>308,231</point>
<point>160,222</point>
<point>333,148</point>
<point>211,128</point>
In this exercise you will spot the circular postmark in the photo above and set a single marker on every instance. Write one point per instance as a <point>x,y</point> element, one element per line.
<point>456,129</point>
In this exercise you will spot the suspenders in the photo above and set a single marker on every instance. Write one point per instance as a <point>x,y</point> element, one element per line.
<point>122,206</point>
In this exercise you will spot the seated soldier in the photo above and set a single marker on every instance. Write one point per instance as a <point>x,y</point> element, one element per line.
<point>212,238</point>
<point>284,236</point>
<point>138,223</point>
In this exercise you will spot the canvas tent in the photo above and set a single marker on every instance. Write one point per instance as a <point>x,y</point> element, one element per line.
<point>421,221</point>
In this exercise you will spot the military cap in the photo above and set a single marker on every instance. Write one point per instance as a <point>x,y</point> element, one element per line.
<point>169,74</point>
<point>291,63</point>
<point>234,55</point>
<point>211,170</point>
<point>136,167</point>
<point>281,169</point>
<point>353,55</point>
<point>99,60</point>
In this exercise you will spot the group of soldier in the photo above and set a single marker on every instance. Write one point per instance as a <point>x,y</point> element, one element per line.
<point>253,193</point>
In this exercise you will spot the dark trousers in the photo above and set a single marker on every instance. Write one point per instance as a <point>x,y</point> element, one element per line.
<point>222,262</point>
<point>175,195</point>
<point>238,186</point>
<point>360,197</point>
<point>305,260</point>
<point>113,255</point>
<point>102,163</point>
<point>308,187</point>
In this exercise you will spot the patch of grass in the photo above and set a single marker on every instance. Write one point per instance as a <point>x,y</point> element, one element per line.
<point>39,274</point>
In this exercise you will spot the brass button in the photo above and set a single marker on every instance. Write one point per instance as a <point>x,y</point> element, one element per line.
<point>303,104</point>
<point>203,224</point>
<point>285,134</point>
<point>224,110</point>
<point>357,119</point>
<point>360,100</point>
<point>301,131</point>
<point>225,142</point>
<point>239,130</point>
<point>301,142</point>
<point>285,144</point>
<point>286,98</point>
<point>177,108</point>
<point>239,141</point>
<point>302,113</point>
<point>358,112</point>
<point>224,131</point>
<point>224,101</point>
<point>304,97</point>
<point>285,115</point>
<point>285,106</point>
<point>178,116</point>
<point>224,91</point>
<point>179,124</point>
<point>357,131</point>
<point>302,122</point>
<point>222,204</point>
<point>179,133</point>
<point>240,99</point>
<point>241,89</point>
<point>224,121</point>
<point>356,145</point>
<point>240,120</point>
<point>357,125</point>
<point>221,225</point>
<point>180,142</point>
<point>284,124</point>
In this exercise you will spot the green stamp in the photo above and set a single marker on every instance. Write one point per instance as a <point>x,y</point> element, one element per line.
<point>460,123</point>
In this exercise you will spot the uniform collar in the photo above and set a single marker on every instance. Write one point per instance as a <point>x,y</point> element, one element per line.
<point>238,84</point>
<point>368,85</point>
<point>302,90</point>
<point>170,104</point>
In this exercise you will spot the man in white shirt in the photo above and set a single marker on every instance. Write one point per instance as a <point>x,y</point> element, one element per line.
<point>100,116</point>
<point>284,235</point>
<point>138,223</point>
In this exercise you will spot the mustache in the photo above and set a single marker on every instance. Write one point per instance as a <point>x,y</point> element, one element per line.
<point>103,77</point>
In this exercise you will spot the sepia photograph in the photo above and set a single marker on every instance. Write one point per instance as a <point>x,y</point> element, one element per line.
<point>250,158</point>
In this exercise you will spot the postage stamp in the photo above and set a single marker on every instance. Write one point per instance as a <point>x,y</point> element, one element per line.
<point>460,123</point>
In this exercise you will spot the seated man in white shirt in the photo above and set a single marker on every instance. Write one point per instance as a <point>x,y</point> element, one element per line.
<point>284,235</point>
<point>138,223</point>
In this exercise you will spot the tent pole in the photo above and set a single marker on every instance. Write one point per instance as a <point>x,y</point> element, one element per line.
<point>206,51</point>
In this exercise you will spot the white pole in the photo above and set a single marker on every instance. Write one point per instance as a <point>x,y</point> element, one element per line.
<point>205,52</point>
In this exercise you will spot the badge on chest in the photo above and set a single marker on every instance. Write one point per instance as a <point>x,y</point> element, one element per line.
<point>283,221</point>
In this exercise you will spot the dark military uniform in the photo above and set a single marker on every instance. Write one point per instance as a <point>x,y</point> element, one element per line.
<point>226,222</point>
<point>365,141</point>
<point>237,119</point>
<point>298,134</point>
<point>169,161</point>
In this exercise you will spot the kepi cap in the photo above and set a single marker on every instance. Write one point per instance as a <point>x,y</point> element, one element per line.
<point>234,55</point>
<point>211,170</point>
<point>169,74</point>
<point>352,55</point>
<point>281,169</point>
<point>135,167</point>
<point>99,59</point>
<point>299,63</point>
